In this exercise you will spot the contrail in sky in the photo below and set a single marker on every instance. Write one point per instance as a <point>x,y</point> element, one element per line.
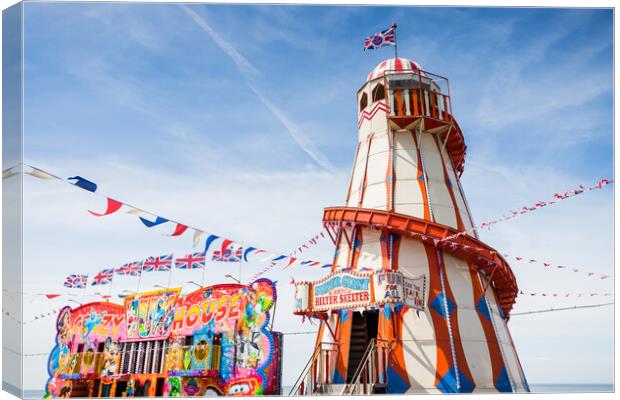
<point>249,72</point>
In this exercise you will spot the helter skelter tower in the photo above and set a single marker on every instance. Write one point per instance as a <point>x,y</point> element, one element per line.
<point>410,305</point>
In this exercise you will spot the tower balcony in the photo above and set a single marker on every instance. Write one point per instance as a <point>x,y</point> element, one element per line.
<point>418,97</point>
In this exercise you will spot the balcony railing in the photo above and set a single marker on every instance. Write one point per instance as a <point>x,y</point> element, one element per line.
<point>418,102</point>
<point>418,94</point>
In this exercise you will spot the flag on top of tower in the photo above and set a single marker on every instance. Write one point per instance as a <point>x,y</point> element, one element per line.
<point>380,39</point>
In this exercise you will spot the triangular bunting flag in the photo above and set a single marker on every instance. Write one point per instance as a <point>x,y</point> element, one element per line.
<point>112,207</point>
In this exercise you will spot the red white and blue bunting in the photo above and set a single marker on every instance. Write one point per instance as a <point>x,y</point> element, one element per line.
<point>234,251</point>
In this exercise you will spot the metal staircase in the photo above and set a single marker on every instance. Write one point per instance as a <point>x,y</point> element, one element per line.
<point>317,376</point>
<point>370,376</point>
<point>358,344</point>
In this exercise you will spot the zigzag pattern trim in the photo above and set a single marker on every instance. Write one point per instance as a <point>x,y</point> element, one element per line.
<point>368,115</point>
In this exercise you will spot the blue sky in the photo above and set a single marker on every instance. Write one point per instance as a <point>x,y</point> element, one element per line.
<point>242,120</point>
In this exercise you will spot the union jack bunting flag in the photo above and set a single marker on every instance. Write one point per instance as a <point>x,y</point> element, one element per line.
<point>131,269</point>
<point>162,263</point>
<point>76,281</point>
<point>228,255</point>
<point>103,277</point>
<point>380,39</point>
<point>191,261</point>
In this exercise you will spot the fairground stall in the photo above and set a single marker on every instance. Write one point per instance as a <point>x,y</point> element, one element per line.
<point>215,340</point>
<point>415,303</point>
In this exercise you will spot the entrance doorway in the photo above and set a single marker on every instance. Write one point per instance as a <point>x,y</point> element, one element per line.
<point>365,326</point>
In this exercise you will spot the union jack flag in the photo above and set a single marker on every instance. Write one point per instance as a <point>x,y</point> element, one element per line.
<point>191,261</point>
<point>380,39</point>
<point>131,269</point>
<point>162,263</point>
<point>76,281</point>
<point>227,255</point>
<point>103,277</point>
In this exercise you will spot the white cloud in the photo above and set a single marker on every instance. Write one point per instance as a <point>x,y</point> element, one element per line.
<point>250,73</point>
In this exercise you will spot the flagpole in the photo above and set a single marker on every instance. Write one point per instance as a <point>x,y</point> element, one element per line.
<point>202,280</point>
<point>395,41</point>
<point>172,266</point>
<point>110,288</point>
<point>240,262</point>
<point>139,280</point>
<point>85,289</point>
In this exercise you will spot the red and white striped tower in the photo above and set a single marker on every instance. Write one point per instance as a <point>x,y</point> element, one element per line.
<point>404,208</point>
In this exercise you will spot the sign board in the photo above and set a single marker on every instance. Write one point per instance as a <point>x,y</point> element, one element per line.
<point>343,290</point>
<point>353,290</point>
<point>414,290</point>
<point>149,315</point>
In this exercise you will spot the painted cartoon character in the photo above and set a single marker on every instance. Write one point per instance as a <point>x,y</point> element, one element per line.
<point>191,387</point>
<point>174,387</point>
<point>250,386</point>
<point>65,390</point>
<point>111,347</point>
<point>64,327</point>
<point>131,388</point>
<point>175,356</point>
<point>93,320</point>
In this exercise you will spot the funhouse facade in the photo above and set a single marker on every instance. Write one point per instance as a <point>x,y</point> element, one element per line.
<point>214,340</point>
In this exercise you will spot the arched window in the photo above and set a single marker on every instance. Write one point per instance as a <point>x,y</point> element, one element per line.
<point>363,101</point>
<point>378,93</point>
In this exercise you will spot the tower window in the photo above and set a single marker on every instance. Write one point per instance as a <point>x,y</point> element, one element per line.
<point>378,93</point>
<point>363,101</point>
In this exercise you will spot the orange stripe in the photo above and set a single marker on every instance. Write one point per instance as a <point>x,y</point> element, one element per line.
<point>461,359</point>
<point>392,329</point>
<point>357,150</point>
<point>344,343</point>
<point>357,234</point>
<point>459,221</point>
<point>385,252</point>
<point>364,179</point>
<point>442,336</point>
<point>390,172</point>
<point>427,212</point>
<point>497,363</point>
<point>395,251</point>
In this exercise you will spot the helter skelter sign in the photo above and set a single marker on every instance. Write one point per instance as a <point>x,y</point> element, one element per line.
<point>341,291</point>
<point>355,290</point>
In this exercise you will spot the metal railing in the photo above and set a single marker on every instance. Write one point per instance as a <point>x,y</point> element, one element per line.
<point>372,370</point>
<point>318,372</point>
<point>418,102</point>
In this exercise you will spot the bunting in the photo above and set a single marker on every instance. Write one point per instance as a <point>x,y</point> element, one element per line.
<point>83,183</point>
<point>161,263</point>
<point>103,277</point>
<point>150,224</point>
<point>556,266</point>
<point>564,295</point>
<point>557,197</point>
<point>237,254</point>
<point>76,281</point>
<point>191,261</point>
<point>130,269</point>
<point>113,206</point>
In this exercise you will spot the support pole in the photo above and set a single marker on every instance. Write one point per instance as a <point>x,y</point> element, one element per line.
<point>395,42</point>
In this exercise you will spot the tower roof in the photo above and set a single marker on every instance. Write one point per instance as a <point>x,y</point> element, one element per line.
<point>393,65</point>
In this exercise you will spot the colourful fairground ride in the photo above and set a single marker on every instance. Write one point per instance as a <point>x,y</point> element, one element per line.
<point>213,341</point>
